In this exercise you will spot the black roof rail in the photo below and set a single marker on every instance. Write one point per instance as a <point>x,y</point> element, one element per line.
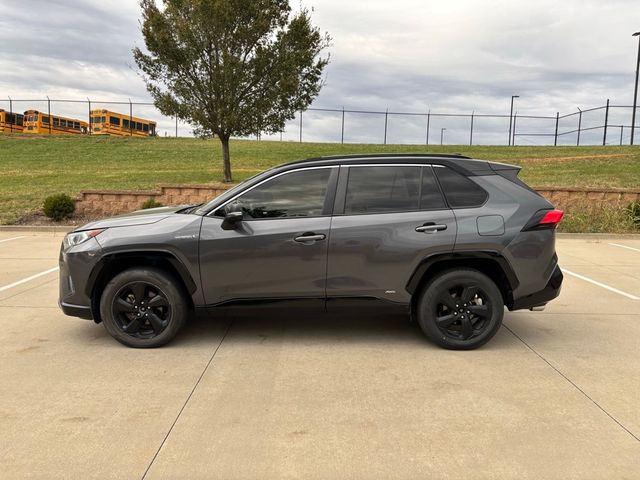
<point>381,155</point>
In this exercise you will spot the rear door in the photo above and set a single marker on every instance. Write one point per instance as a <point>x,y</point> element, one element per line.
<point>387,219</point>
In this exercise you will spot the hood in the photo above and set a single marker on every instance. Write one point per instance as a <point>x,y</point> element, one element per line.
<point>139,217</point>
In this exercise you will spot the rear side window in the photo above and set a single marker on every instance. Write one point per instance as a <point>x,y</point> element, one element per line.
<point>459,190</point>
<point>382,189</point>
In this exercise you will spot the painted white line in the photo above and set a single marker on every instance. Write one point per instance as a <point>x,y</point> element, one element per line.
<point>595,282</point>
<point>28,279</point>
<point>624,246</point>
<point>13,238</point>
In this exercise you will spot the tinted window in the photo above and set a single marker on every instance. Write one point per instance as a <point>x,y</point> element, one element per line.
<point>45,119</point>
<point>114,120</point>
<point>296,194</point>
<point>382,189</point>
<point>430,198</point>
<point>459,190</point>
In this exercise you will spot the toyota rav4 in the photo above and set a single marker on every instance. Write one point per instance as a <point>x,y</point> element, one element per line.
<point>448,240</point>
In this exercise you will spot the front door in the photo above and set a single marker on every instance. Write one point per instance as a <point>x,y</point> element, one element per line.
<point>279,249</point>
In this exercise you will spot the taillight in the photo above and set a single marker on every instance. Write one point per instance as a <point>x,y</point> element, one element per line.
<point>544,219</point>
<point>552,217</point>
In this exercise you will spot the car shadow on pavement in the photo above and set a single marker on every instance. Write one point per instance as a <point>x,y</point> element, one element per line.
<point>308,328</point>
<point>291,328</point>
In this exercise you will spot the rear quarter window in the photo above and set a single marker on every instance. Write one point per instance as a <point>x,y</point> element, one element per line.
<point>460,191</point>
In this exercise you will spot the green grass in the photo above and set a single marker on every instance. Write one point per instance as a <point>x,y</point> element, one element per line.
<point>605,218</point>
<point>32,168</point>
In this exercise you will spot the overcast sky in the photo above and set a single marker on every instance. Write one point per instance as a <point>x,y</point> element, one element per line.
<point>455,56</point>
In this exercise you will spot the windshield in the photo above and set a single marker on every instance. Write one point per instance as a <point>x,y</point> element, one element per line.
<point>228,194</point>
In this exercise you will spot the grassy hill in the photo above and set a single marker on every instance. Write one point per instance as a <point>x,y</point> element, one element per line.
<point>33,167</point>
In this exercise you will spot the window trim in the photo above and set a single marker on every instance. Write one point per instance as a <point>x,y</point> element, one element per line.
<point>341,195</point>
<point>328,197</point>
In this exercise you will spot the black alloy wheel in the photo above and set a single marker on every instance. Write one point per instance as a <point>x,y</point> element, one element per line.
<point>141,310</point>
<point>144,307</point>
<point>463,312</point>
<point>460,309</point>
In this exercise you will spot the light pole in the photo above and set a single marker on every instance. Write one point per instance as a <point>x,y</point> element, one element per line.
<point>635,91</point>
<point>511,116</point>
<point>442,134</point>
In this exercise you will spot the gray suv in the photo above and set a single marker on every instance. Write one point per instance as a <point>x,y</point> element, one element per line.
<point>447,240</point>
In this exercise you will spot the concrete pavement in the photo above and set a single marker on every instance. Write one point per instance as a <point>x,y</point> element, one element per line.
<point>554,395</point>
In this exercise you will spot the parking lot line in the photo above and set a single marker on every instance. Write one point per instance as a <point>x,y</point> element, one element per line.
<point>28,279</point>
<point>624,246</point>
<point>599,284</point>
<point>12,238</point>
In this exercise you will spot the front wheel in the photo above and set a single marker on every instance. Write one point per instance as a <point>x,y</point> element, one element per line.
<point>460,309</point>
<point>143,307</point>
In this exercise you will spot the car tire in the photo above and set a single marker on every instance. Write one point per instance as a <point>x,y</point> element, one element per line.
<point>460,309</point>
<point>143,307</point>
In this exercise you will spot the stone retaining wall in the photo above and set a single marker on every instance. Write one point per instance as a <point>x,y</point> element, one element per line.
<point>584,198</point>
<point>113,202</point>
<point>105,202</point>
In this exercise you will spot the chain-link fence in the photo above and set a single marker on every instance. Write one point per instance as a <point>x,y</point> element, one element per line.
<point>605,125</point>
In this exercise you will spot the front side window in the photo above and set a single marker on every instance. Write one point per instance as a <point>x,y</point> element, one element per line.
<point>114,121</point>
<point>295,194</point>
<point>380,189</point>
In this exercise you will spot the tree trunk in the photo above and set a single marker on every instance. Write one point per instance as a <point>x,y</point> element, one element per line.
<point>226,159</point>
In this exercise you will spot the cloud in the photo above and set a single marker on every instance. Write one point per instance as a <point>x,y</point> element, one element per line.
<point>412,55</point>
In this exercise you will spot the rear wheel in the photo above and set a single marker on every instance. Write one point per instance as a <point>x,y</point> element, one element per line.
<point>460,309</point>
<point>143,307</point>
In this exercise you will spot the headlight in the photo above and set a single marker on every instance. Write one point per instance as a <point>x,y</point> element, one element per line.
<point>73,239</point>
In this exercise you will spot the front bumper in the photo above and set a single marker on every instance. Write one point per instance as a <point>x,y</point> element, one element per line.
<point>79,311</point>
<point>548,293</point>
<point>75,268</point>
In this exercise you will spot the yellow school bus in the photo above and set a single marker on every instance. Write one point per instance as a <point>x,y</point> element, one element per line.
<point>104,122</point>
<point>42,123</point>
<point>11,122</point>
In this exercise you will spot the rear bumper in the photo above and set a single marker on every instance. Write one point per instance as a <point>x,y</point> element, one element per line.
<point>548,293</point>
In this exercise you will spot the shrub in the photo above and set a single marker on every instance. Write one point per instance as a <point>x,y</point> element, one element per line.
<point>633,211</point>
<point>151,203</point>
<point>59,206</point>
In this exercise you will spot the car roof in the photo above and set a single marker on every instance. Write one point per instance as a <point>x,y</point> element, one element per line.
<point>463,164</point>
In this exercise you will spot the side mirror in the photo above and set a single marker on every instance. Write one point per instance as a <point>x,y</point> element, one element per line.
<point>231,220</point>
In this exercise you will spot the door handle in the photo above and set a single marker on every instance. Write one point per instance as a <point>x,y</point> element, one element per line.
<point>430,228</point>
<point>309,237</point>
